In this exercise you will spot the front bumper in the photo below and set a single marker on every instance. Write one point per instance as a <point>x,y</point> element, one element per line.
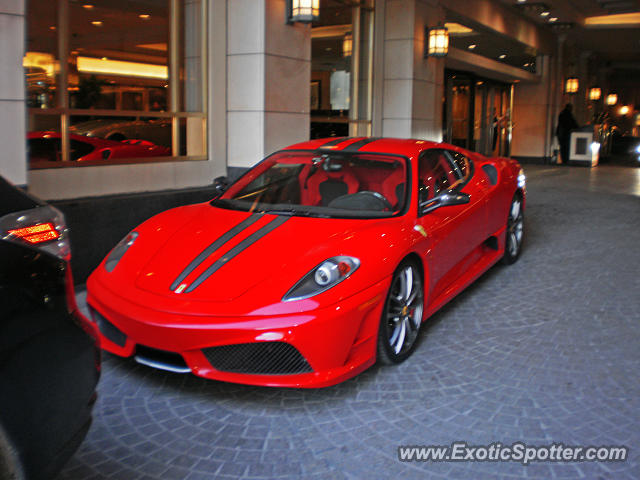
<point>311,349</point>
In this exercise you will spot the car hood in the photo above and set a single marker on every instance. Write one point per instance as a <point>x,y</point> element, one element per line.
<point>219,255</point>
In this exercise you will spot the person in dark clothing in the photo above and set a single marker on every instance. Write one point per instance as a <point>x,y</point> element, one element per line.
<point>566,123</point>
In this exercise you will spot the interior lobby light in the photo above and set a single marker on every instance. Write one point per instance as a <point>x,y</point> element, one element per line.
<point>119,67</point>
<point>303,11</point>
<point>438,43</point>
<point>457,28</point>
<point>616,19</point>
<point>612,99</point>
<point>572,85</point>
<point>595,93</point>
<point>624,110</point>
<point>347,45</point>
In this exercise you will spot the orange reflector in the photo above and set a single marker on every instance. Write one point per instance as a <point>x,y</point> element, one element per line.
<point>343,268</point>
<point>37,233</point>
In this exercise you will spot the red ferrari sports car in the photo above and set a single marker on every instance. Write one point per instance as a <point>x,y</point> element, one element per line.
<point>46,146</point>
<point>323,258</point>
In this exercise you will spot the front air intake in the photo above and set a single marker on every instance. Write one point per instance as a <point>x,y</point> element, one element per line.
<point>264,358</point>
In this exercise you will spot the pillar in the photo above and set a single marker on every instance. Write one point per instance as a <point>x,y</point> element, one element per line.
<point>268,80</point>
<point>13,163</point>
<point>412,85</point>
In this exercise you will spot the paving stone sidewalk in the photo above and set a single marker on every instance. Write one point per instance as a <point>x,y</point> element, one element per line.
<point>544,351</point>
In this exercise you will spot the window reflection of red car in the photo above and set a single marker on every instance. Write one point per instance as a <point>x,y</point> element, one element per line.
<point>46,146</point>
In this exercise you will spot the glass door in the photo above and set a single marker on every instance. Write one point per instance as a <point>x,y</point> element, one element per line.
<point>476,114</point>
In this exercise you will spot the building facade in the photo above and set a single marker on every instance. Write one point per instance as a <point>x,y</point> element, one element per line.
<point>217,85</point>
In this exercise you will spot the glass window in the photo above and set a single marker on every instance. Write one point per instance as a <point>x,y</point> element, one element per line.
<point>440,170</point>
<point>460,163</point>
<point>131,71</point>
<point>327,185</point>
<point>341,65</point>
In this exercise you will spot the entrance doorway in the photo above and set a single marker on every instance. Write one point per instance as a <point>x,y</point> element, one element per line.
<point>476,113</point>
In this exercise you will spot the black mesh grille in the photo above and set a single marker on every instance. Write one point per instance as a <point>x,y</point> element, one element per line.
<point>108,329</point>
<point>265,358</point>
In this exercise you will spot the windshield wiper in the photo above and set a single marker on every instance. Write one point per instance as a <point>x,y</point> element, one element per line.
<point>302,212</point>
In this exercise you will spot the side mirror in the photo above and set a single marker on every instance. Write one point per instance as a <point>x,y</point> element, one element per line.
<point>220,184</point>
<point>445,199</point>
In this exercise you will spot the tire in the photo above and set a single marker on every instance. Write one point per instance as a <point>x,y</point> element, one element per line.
<point>515,231</point>
<point>402,315</point>
<point>10,465</point>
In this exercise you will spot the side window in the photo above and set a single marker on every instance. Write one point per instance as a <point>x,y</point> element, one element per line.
<point>460,164</point>
<point>435,174</point>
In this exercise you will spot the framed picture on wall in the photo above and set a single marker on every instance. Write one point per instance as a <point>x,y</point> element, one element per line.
<point>315,95</point>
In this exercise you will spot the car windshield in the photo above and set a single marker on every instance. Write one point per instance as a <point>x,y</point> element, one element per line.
<point>334,184</point>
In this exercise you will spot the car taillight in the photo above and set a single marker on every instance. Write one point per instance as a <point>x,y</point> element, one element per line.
<point>40,233</point>
<point>41,227</point>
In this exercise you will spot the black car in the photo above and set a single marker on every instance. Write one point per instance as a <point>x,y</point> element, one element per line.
<point>49,357</point>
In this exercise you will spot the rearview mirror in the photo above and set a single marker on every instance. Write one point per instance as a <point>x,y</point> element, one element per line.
<point>445,199</point>
<point>220,184</point>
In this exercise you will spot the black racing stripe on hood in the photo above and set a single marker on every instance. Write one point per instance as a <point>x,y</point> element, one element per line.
<point>355,146</point>
<point>247,222</point>
<point>334,142</point>
<point>243,245</point>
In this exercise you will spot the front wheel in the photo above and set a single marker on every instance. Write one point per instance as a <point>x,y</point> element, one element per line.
<point>402,314</point>
<point>515,231</point>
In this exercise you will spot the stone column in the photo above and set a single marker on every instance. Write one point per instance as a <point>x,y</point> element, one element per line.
<point>413,85</point>
<point>533,114</point>
<point>13,162</point>
<point>268,80</point>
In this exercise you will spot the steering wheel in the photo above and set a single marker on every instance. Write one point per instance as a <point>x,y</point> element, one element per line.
<point>382,198</point>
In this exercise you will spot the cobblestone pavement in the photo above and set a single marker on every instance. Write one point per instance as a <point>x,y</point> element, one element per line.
<point>544,351</point>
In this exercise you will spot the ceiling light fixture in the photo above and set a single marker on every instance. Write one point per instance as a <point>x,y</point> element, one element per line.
<point>553,19</point>
<point>144,16</point>
<point>472,46</point>
<point>87,6</point>
<point>546,13</point>
<point>502,57</point>
<point>96,23</point>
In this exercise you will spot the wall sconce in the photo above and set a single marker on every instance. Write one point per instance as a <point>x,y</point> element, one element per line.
<point>612,99</point>
<point>438,43</point>
<point>347,45</point>
<point>303,11</point>
<point>571,86</point>
<point>595,93</point>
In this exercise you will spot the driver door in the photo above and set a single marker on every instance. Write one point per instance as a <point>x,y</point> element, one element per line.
<point>452,233</point>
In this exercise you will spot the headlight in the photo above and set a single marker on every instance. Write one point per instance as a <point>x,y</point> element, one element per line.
<point>325,276</point>
<point>522,180</point>
<point>119,250</point>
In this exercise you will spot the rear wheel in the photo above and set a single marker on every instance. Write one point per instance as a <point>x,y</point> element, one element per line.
<point>10,466</point>
<point>515,231</point>
<point>402,315</point>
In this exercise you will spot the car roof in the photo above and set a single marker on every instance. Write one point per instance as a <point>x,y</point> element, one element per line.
<point>400,146</point>
<point>95,141</point>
